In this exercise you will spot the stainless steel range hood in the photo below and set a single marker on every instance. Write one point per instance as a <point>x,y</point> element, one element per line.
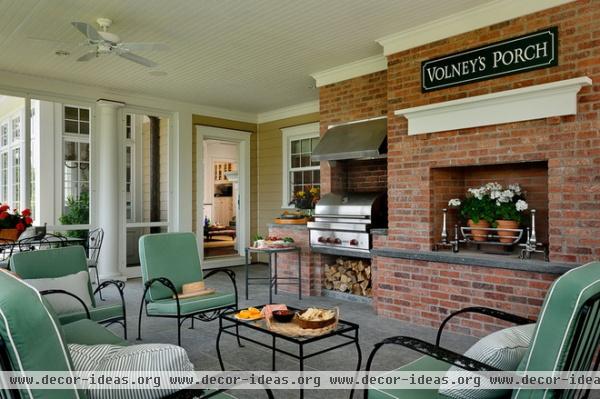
<point>356,140</point>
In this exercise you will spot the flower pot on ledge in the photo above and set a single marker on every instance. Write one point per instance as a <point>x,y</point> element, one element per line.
<point>507,236</point>
<point>9,234</point>
<point>479,234</point>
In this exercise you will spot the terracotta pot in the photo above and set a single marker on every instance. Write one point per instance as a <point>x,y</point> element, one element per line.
<point>479,234</point>
<point>507,236</point>
<point>9,234</point>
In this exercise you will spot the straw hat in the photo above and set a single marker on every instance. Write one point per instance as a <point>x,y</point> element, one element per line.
<point>196,288</point>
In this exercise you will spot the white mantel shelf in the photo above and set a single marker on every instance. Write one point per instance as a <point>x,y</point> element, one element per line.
<point>532,102</point>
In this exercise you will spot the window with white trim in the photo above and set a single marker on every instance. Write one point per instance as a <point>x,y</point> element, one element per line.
<point>11,141</point>
<point>76,153</point>
<point>299,172</point>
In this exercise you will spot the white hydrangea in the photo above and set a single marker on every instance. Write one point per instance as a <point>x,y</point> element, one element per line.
<point>515,187</point>
<point>505,196</point>
<point>454,202</point>
<point>521,205</point>
<point>495,194</point>
<point>493,186</point>
<point>477,192</point>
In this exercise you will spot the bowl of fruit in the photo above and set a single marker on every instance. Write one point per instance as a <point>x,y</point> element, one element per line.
<point>249,314</point>
<point>284,315</point>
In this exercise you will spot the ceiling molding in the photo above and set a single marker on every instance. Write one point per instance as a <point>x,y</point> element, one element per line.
<point>351,70</point>
<point>288,112</point>
<point>465,21</point>
<point>526,103</point>
<point>60,91</point>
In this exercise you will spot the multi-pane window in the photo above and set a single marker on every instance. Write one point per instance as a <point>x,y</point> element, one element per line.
<point>4,176</point>
<point>16,177</point>
<point>303,173</point>
<point>16,128</point>
<point>4,135</point>
<point>76,153</point>
<point>129,164</point>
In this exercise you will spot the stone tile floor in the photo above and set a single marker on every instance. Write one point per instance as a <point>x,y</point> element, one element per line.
<point>200,342</point>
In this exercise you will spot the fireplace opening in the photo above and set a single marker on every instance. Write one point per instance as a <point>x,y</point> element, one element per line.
<point>453,182</point>
<point>348,278</point>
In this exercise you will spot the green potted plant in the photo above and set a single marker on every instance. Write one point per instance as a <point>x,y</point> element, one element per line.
<point>492,205</point>
<point>510,205</point>
<point>306,199</point>
<point>77,212</point>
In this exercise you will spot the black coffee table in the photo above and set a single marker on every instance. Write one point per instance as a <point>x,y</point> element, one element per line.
<point>228,324</point>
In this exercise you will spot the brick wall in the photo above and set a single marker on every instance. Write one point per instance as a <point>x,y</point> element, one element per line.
<point>311,262</point>
<point>425,292</point>
<point>570,144</point>
<point>351,100</point>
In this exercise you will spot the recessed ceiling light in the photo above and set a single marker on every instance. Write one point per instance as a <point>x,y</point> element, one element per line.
<point>158,73</point>
<point>62,53</point>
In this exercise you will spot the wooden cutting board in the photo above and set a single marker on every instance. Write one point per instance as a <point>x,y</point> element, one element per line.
<point>291,221</point>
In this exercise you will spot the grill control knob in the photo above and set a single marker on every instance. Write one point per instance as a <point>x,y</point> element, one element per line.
<point>321,239</point>
<point>337,241</point>
<point>329,240</point>
<point>354,242</point>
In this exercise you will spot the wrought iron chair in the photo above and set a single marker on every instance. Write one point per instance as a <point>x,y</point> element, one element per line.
<point>94,245</point>
<point>570,315</point>
<point>168,261</point>
<point>23,348</point>
<point>62,261</point>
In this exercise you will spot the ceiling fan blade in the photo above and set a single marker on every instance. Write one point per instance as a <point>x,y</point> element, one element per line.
<point>144,46</point>
<point>88,30</point>
<point>138,59</point>
<point>87,56</point>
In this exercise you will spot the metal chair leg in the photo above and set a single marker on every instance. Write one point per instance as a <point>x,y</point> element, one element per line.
<point>192,327</point>
<point>98,282</point>
<point>237,335</point>
<point>125,328</point>
<point>178,332</point>
<point>139,337</point>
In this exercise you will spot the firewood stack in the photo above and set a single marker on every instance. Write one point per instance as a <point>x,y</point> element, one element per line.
<point>352,276</point>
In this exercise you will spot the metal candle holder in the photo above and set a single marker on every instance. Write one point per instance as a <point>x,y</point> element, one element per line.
<point>531,245</point>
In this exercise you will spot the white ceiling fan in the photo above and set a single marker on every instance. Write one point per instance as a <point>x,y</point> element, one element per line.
<point>105,42</point>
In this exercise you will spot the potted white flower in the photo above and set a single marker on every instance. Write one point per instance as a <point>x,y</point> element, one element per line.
<point>510,206</point>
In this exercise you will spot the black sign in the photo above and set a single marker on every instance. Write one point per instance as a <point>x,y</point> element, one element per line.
<point>520,54</point>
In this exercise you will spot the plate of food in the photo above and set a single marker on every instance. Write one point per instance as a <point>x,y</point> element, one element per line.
<point>274,242</point>
<point>249,314</point>
<point>313,318</point>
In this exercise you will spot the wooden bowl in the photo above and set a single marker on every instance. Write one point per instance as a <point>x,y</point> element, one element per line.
<point>313,324</point>
<point>283,316</point>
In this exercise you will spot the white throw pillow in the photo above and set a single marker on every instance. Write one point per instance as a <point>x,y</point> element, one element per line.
<point>76,284</point>
<point>503,350</point>
<point>146,357</point>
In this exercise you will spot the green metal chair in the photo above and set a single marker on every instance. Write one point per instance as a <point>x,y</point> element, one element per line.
<point>566,337</point>
<point>58,262</point>
<point>24,313</point>
<point>168,261</point>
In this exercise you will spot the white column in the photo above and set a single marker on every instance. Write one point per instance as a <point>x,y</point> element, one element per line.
<point>107,205</point>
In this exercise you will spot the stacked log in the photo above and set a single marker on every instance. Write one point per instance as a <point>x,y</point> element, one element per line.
<point>348,275</point>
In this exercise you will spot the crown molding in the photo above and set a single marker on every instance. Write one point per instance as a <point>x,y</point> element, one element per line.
<point>288,112</point>
<point>461,22</point>
<point>351,70</point>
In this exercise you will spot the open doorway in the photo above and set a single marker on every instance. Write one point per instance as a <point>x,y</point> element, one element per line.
<point>221,196</point>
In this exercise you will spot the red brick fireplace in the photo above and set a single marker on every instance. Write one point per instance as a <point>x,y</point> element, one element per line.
<point>556,160</point>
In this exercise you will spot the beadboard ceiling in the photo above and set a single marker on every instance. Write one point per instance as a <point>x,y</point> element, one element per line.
<point>244,55</point>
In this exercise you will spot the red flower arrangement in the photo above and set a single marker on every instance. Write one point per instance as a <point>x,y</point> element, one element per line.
<point>14,220</point>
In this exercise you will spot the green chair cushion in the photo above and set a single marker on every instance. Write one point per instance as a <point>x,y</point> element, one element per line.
<point>556,324</point>
<point>99,314</point>
<point>168,307</point>
<point>51,263</point>
<point>32,334</point>
<point>171,255</point>
<point>88,332</point>
<point>425,363</point>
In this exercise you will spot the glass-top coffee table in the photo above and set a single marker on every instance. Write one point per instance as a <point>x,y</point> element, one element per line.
<point>348,331</point>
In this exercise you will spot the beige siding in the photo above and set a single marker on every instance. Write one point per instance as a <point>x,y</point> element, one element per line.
<point>270,164</point>
<point>164,168</point>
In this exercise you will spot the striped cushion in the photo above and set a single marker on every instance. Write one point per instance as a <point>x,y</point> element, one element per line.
<point>503,350</point>
<point>147,357</point>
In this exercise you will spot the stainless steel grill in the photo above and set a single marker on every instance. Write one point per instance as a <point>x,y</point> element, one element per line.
<point>343,222</point>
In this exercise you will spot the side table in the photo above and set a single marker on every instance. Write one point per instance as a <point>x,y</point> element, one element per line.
<point>273,277</point>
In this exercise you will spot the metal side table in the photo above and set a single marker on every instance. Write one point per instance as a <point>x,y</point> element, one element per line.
<point>273,277</point>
